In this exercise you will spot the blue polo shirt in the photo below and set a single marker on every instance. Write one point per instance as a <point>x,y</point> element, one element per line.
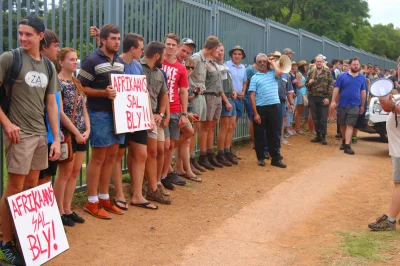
<point>133,68</point>
<point>238,74</point>
<point>95,73</point>
<point>350,89</point>
<point>265,85</point>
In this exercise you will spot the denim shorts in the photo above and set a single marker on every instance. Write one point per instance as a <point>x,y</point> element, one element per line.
<point>239,107</point>
<point>232,112</point>
<point>102,129</point>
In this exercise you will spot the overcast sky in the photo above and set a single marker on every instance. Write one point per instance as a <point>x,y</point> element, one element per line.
<point>384,12</point>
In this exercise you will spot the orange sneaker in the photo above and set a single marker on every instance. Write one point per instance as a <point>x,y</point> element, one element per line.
<point>109,206</point>
<point>97,210</point>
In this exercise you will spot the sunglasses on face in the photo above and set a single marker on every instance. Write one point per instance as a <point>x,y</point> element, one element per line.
<point>189,67</point>
<point>262,61</point>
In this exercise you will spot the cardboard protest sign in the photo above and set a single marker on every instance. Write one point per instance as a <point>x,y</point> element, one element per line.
<point>38,224</point>
<point>131,105</point>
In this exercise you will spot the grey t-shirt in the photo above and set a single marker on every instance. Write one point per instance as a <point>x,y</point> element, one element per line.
<point>28,92</point>
<point>155,83</point>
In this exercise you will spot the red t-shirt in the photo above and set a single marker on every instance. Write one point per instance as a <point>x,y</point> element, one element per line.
<point>177,78</point>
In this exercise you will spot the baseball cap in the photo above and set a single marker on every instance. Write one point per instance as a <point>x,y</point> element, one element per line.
<point>34,22</point>
<point>287,51</point>
<point>188,41</point>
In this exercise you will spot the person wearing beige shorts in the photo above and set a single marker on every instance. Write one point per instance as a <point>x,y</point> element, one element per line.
<point>29,154</point>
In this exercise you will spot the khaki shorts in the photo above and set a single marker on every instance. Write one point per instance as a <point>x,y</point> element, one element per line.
<point>29,154</point>
<point>214,107</point>
<point>199,107</point>
<point>157,133</point>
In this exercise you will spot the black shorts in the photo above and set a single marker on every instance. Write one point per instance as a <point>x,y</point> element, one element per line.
<point>348,115</point>
<point>361,120</point>
<point>78,147</point>
<point>139,137</point>
<point>51,169</point>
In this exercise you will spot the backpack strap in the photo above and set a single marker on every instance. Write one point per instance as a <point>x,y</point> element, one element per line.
<point>13,75</point>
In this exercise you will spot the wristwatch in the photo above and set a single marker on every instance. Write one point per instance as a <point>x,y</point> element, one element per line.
<point>162,115</point>
<point>185,114</point>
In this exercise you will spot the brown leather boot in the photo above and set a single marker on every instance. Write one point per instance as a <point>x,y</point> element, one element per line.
<point>222,160</point>
<point>203,161</point>
<point>213,161</point>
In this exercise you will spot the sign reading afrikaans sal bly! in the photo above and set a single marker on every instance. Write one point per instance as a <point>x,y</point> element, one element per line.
<point>38,224</point>
<point>131,105</point>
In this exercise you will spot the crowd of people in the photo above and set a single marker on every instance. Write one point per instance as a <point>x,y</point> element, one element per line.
<point>189,93</point>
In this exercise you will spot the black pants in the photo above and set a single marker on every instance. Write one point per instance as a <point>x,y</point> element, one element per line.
<point>268,126</point>
<point>319,113</point>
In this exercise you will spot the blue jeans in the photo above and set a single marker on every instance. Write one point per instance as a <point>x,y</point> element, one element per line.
<point>281,113</point>
<point>102,129</point>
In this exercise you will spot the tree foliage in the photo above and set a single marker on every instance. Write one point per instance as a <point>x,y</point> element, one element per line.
<point>344,21</point>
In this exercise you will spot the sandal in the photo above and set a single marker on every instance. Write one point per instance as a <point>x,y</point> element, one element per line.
<point>144,205</point>
<point>119,206</point>
<point>183,174</point>
<point>195,179</point>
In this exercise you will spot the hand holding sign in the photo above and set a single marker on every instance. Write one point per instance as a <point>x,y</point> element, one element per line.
<point>111,92</point>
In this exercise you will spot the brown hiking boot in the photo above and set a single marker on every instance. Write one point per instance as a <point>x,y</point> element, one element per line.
<point>110,207</point>
<point>163,190</point>
<point>235,154</point>
<point>97,210</point>
<point>382,224</point>
<point>158,196</point>
<point>222,160</point>
<point>194,162</point>
<point>231,158</point>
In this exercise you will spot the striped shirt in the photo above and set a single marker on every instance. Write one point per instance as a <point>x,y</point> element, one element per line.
<point>265,85</point>
<point>95,73</point>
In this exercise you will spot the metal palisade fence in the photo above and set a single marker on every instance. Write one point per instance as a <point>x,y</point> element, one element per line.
<point>196,19</point>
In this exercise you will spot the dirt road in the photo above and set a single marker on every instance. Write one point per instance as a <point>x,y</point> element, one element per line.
<point>248,215</point>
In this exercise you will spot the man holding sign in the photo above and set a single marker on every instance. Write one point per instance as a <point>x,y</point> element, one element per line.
<point>94,77</point>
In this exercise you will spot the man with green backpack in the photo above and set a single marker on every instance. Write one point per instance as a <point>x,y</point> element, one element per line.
<point>29,83</point>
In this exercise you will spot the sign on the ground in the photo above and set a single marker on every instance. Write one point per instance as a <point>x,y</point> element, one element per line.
<point>38,224</point>
<point>131,105</point>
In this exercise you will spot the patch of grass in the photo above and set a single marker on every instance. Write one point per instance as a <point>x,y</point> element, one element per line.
<point>370,245</point>
<point>79,198</point>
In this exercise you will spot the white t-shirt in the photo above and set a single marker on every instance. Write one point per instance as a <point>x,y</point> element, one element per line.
<point>393,135</point>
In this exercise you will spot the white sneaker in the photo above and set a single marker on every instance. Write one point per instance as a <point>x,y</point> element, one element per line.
<point>285,142</point>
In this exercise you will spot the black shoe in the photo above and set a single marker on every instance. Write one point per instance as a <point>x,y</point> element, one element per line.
<point>213,161</point>
<point>167,183</point>
<point>10,254</point>
<point>338,136</point>
<point>75,217</point>
<point>278,164</point>
<point>67,221</point>
<point>175,179</point>
<point>203,161</point>
<point>267,155</point>
<point>342,146</point>
<point>323,141</point>
<point>348,150</point>
<point>261,163</point>
<point>316,139</point>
